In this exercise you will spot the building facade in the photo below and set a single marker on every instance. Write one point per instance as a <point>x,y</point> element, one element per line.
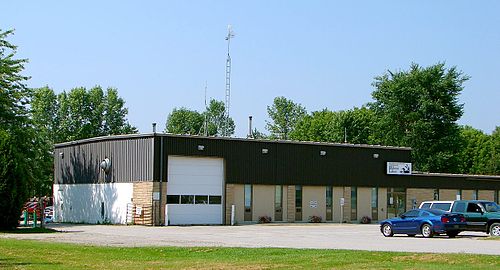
<point>163,179</point>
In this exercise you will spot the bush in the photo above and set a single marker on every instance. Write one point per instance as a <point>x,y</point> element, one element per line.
<point>366,220</point>
<point>265,219</point>
<point>315,219</point>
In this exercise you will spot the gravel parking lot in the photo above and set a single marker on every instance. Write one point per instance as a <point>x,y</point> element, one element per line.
<point>320,236</point>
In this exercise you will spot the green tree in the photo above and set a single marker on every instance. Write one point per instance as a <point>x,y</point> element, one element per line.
<point>218,122</point>
<point>419,108</point>
<point>352,126</point>
<point>284,115</point>
<point>495,155</point>
<point>80,113</point>
<point>256,134</point>
<point>476,151</point>
<point>184,121</point>
<point>17,136</point>
<point>115,115</point>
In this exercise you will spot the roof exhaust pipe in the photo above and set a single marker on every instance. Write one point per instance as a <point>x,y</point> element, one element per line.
<point>250,132</point>
<point>154,127</point>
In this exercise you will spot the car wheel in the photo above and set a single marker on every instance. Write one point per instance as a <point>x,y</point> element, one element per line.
<point>387,230</point>
<point>495,229</point>
<point>452,234</point>
<point>427,231</point>
<point>411,235</point>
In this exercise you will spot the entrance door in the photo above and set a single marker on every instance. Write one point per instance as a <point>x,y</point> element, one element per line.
<point>396,202</point>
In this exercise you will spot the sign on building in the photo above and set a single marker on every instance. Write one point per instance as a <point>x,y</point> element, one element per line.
<point>398,168</point>
<point>313,204</point>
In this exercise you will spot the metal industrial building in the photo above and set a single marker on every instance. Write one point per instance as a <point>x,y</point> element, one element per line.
<point>159,179</point>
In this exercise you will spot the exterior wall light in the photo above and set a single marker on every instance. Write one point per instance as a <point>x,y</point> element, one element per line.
<point>201,147</point>
<point>265,150</point>
<point>105,165</point>
<point>375,155</point>
<point>61,154</point>
<point>322,153</point>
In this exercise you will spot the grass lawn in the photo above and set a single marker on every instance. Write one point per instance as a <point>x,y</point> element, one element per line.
<point>24,254</point>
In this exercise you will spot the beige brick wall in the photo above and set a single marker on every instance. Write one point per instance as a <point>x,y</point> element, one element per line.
<point>364,202</point>
<point>338,192</point>
<point>419,194</point>
<point>285,204</point>
<point>488,195</point>
<point>229,200</point>
<point>143,198</point>
<point>290,204</point>
<point>313,196</point>
<point>159,205</point>
<point>239,203</point>
<point>263,201</point>
<point>447,194</point>
<point>347,205</point>
<point>382,203</point>
<point>466,194</point>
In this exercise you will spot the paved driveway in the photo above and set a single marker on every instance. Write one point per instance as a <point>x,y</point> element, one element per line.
<point>323,236</point>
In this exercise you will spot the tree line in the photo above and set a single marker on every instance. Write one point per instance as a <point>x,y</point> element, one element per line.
<point>415,108</point>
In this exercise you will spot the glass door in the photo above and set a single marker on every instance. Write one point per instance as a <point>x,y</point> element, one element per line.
<point>396,202</point>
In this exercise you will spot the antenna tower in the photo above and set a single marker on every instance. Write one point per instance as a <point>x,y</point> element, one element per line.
<point>204,128</point>
<point>230,35</point>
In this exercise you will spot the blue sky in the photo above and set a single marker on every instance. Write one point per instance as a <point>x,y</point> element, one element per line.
<point>321,54</point>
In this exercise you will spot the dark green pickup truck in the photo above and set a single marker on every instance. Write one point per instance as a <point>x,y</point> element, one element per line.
<point>482,216</point>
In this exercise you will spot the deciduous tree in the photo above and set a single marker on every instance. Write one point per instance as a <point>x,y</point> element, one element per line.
<point>419,108</point>
<point>284,115</point>
<point>17,136</point>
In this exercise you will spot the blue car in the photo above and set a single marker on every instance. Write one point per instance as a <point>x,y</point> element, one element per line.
<point>426,222</point>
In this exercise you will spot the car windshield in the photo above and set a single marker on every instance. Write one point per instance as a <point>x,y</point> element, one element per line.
<point>491,206</point>
<point>436,212</point>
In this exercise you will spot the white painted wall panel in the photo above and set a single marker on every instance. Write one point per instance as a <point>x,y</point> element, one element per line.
<point>195,176</point>
<point>81,203</point>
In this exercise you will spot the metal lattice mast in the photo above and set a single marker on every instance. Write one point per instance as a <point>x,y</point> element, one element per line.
<point>230,35</point>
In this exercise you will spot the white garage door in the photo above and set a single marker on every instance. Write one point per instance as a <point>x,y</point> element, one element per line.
<point>195,190</point>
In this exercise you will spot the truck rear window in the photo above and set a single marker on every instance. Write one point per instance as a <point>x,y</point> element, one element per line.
<point>441,206</point>
<point>426,206</point>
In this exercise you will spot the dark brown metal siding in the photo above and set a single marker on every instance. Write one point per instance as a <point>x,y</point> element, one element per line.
<point>301,164</point>
<point>288,163</point>
<point>131,160</point>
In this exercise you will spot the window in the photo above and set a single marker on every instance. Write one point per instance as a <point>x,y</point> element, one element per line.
<point>173,199</point>
<point>215,199</point>
<point>490,207</point>
<point>475,194</point>
<point>187,199</point>
<point>374,203</point>
<point>436,194</point>
<point>354,203</point>
<point>426,206</point>
<point>329,203</point>
<point>473,208</point>
<point>298,203</point>
<point>411,213</point>
<point>248,203</point>
<point>278,203</point>
<point>441,206</point>
<point>201,199</point>
<point>459,207</point>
